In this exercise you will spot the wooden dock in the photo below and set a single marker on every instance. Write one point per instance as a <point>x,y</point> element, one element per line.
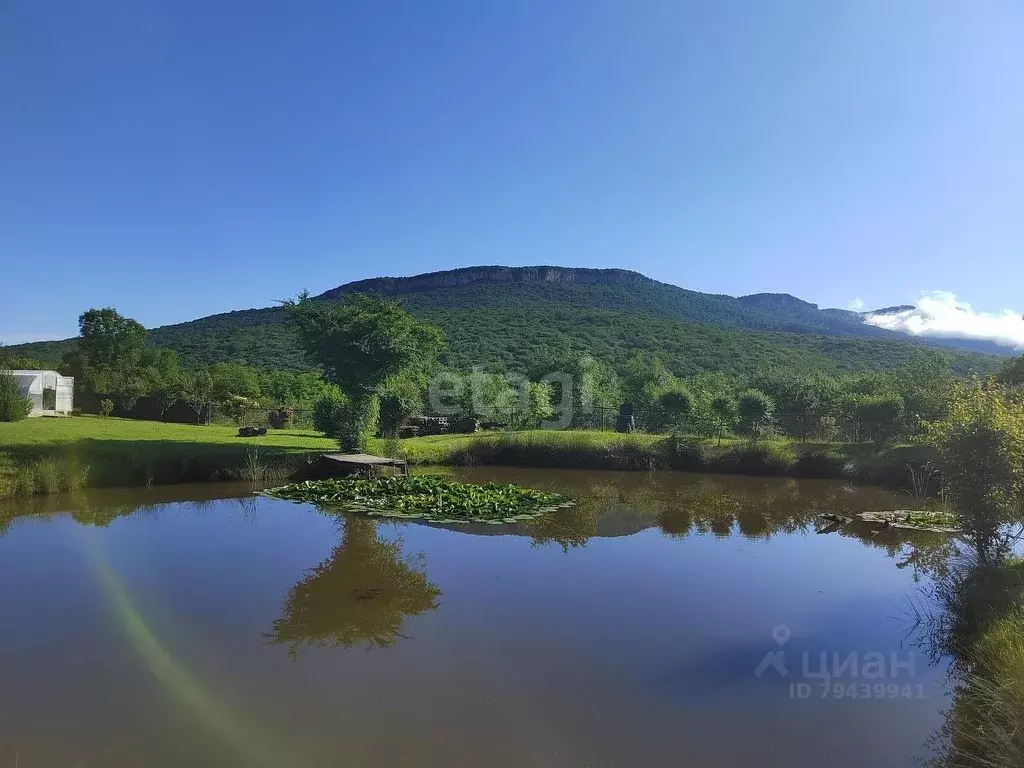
<point>342,464</point>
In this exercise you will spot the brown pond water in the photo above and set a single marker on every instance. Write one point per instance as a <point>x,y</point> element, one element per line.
<point>202,626</point>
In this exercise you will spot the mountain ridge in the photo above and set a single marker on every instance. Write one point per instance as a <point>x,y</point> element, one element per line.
<point>513,316</point>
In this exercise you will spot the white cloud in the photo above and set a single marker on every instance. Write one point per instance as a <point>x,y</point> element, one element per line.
<point>940,313</point>
<point>856,305</point>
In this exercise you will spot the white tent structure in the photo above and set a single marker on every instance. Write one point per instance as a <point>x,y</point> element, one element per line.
<point>50,393</point>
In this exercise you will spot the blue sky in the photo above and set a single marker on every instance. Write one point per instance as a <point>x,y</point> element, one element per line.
<point>176,158</point>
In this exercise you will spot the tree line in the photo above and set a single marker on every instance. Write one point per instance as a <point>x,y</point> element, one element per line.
<point>375,365</point>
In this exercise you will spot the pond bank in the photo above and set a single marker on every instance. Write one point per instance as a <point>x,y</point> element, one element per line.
<point>857,462</point>
<point>43,456</point>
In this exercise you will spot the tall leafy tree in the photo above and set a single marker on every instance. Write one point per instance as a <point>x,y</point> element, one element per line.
<point>756,413</point>
<point>644,378</point>
<point>108,357</point>
<point>197,391</point>
<point>360,343</point>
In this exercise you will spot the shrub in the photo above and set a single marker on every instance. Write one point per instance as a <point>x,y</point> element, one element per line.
<point>687,454</point>
<point>280,418</point>
<point>106,407</point>
<point>822,464</point>
<point>13,407</point>
<point>756,459</point>
<point>327,412</point>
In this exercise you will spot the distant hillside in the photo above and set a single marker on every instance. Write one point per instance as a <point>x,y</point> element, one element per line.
<point>530,317</point>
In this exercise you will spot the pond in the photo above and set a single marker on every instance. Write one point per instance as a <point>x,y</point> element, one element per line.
<point>667,619</point>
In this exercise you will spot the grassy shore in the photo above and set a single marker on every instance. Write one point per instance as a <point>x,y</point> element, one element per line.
<point>856,462</point>
<point>51,455</point>
<point>986,626</point>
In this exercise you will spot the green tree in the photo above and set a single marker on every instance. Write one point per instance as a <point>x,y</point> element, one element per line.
<point>197,391</point>
<point>13,405</point>
<point>726,410</point>
<point>107,359</point>
<point>676,405</point>
<point>756,410</point>
<point>1012,373</point>
<point>538,402</point>
<point>400,397</point>
<point>360,343</point>
<point>232,380</point>
<point>981,454</point>
<point>110,341</point>
<point>162,377</point>
<point>881,416</point>
<point>488,397</point>
<point>12,362</point>
<point>643,378</point>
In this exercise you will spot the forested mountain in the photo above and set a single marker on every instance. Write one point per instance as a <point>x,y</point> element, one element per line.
<point>529,317</point>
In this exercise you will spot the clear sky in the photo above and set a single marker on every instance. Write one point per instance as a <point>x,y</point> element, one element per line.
<point>176,158</point>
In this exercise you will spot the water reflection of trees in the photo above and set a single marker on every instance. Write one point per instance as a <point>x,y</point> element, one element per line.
<point>362,593</point>
<point>683,506</point>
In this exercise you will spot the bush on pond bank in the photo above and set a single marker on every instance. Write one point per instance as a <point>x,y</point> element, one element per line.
<point>427,497</point>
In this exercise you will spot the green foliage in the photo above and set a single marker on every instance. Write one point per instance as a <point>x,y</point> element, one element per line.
<point>106,407</point>
<point>109,341</point>
<point>726,410</point>
<point>755,412</point>
<point>980,445</point>
<point>880,415</point>
<point>363,341</point>
<point>525,325</point>
<point>327,412</point>
<point>538,402</point>
<point>1012,373</point>
<point>820,464</point>
<point>13,407</point>
<point>232,380</point>
<point>805,406</point>
<point>756,459</point>
<point>197,390</point>
<point>9,361</point>
<point>107,359</point>
<point>430,497</point>
<point>358,419</point>
<point>643,378</point>
<point>675,406</point>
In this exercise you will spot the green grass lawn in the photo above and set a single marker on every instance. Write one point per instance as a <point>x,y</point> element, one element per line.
<point>43,434</point>
<point>45,455</point>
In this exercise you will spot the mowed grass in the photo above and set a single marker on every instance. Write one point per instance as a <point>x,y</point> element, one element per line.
<point>45,433</point>
<point>48,455</point>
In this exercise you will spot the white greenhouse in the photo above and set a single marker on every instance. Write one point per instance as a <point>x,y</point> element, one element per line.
<point>51,394</point>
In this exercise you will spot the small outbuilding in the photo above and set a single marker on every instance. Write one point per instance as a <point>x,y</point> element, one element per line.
<point>51,394</point>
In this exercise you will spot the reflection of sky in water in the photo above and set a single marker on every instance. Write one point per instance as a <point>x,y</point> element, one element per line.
<point>635,648</point>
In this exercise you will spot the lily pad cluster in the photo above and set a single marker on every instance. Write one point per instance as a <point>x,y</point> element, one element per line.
<point>426,497</point>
